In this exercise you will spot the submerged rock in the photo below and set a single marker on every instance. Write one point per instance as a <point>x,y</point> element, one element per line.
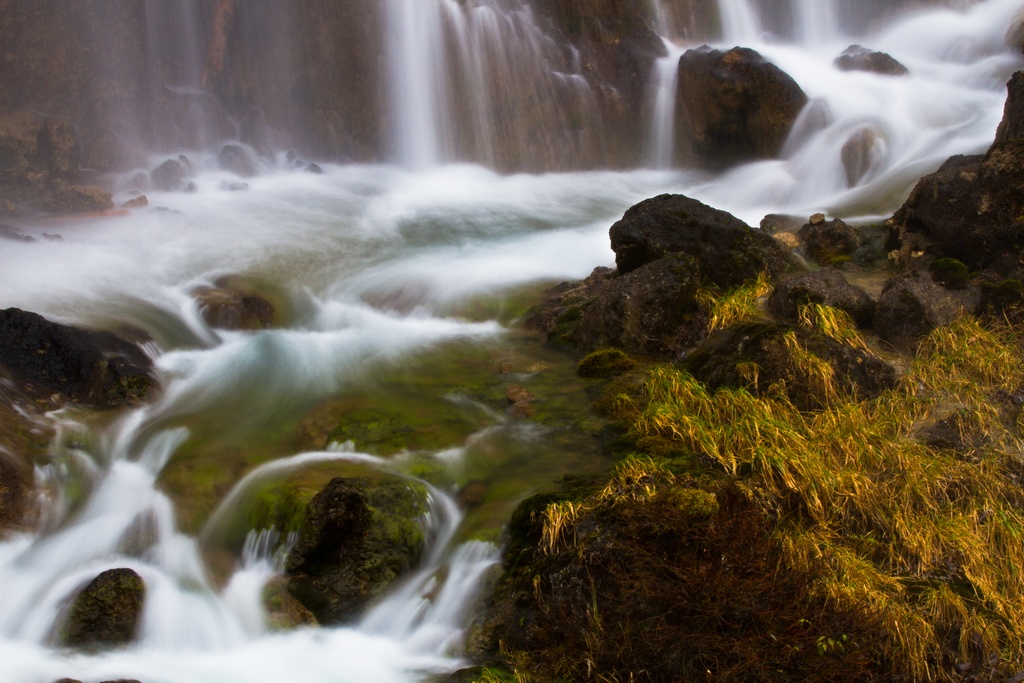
<point>106,612</point>
<point>358,537</point>
<point>90,368</point>
<point>858,58</point>
<point>231,304</point>
<point>734,106</point>
<point>860,152</point>
<point>235,159</point>
<point>170,176</point>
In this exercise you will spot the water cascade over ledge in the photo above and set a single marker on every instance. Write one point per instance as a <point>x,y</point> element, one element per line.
<point>399,273</point>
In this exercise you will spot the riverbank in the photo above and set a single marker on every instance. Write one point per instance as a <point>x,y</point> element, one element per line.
<point>810,491</point>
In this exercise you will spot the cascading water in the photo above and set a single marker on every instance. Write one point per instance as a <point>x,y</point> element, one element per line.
<point>477,82</point>
<point>399,287</point>
<point>417,76</point>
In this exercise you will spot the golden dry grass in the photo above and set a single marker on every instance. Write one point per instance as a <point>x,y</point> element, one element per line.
<point>928,543</point>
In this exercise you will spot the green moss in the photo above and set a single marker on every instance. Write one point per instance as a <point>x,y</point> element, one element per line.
<point>693,502</point>
<point>949,272</point>
<point>605,363</point>
<point>371,430</point>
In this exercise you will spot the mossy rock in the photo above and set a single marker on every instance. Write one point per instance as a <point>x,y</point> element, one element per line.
<point>812,369</point>
<point>949,272</point>
<point>358,537</point>
<point>106,612</point>
<point>684,582</point>
<point>605,363</point>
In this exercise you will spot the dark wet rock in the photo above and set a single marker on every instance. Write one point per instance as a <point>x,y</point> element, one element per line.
<point>828,287</point>
<point>728,358</point>
<point>726,250</point>
<point>9,232</point>
<point>358,537</point>
<point>651,310</point>
<point>235,159</point>
<point>106,612</point>
<point>91,368</point>
<point>1012,125</point>
<point>829,242</point>
<point>667,249</point>
<point>231,304</point>
<point>858,58</point>
<point>734,106</point>
<point>972,208</point>
<point>969,210</point>
<point>912,305</point>
<point>170,176</point>
<point>314,168</point>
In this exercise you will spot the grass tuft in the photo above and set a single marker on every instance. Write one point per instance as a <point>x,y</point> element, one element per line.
<point>923,542</point>
<point>738,305</point>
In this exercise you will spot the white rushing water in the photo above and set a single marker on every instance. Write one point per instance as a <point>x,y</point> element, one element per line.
<point>379,266</point>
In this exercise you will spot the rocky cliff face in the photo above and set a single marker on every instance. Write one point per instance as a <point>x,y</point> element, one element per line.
<point>135,77</point>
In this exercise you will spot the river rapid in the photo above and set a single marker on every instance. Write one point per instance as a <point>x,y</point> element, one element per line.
<point>400,287</point>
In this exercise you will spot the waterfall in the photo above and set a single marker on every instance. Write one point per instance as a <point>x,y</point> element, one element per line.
<point>817,21</point>
<point>661,140</point>
<point>417,71</point>
<point>475,82</point>
<point>740,23</point>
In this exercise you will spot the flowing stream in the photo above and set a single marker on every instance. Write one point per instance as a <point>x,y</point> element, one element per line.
<point>399,289</point>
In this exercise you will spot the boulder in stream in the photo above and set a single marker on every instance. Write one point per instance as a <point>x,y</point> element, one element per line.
<point>667,249</point>
<point>85,367</point>
<point>231,303</point>
<point>358,537</point>
<point>726,250</point>
<point>106,612</point>
<point>734,106</point>
<point>858,58</point>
